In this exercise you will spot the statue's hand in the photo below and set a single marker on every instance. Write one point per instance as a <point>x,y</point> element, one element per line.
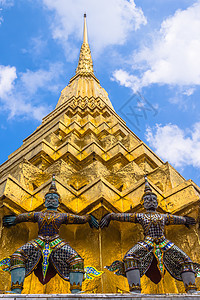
<point>105,221</point>
<point>189,221</point>
<point>93,222</point>
<point>9,221</point>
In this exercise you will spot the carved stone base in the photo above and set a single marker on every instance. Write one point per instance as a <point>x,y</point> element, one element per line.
<point>100,297</point>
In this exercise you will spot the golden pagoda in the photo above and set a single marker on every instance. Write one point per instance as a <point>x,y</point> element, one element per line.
<point>100,166</point>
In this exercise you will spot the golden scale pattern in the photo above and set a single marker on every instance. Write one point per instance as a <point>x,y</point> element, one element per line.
<point>99,165</point>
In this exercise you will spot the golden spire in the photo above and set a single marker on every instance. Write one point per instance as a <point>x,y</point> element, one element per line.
<point>85,65</point>
<point>84,83</point>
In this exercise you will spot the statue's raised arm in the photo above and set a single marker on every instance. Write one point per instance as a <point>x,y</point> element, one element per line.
<point>178,220</point>
<point>122,217</point>
<point>13,220</point>
<point>155,252</point>
<point>76,219</point>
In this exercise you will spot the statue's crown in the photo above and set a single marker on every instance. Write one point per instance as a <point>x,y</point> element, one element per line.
<point>53,188</point>
<point>147,188</point>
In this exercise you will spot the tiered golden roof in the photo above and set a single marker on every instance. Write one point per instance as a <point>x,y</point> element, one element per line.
<point>99,165</point>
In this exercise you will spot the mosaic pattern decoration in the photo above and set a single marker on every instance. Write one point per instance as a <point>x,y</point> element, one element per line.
<point>117,265</point>
<point>46,252</point>
<point>159,256</point>
<point>5,264</point>
<point>91,272</point>
<point>158,251</point>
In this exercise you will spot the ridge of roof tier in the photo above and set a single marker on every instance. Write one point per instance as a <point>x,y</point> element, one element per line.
<point>84,82</point>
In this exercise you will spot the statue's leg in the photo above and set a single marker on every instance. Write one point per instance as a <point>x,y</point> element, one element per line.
<point>132,274</point>
<point>76,273</point>
<point>189,282</point>
<point>133,277</point>
<point>17,279</point>
<point>17,269</point>
<point>75,279</point>
<point>70,266</point>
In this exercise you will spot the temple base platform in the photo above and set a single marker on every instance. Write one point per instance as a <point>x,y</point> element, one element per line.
<point>99,297</point>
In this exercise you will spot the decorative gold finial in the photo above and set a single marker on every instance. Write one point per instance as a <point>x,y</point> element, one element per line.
<point>85,36</point>
<point>85,65</point>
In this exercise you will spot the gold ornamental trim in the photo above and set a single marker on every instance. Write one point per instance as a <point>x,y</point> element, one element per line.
<point>190,286</point>
<point>75,286</point>
<point>17,285</point>
<point>135,287</point>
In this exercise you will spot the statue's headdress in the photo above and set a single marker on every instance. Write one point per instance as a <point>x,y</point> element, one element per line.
<point>53,188</point>
<point>147,189</point>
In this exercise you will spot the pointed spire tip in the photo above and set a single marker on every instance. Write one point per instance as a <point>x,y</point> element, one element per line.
<point>85,37</point>
<point>85,65</point>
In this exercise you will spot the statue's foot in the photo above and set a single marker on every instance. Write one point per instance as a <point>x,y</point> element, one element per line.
<point>16,291</point>
<point>135,292</point>
<point>194,292</point>
<point>76,291</point>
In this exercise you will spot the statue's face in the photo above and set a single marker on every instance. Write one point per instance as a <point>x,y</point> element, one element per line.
<point>51,201</point>
<point>150,202</point>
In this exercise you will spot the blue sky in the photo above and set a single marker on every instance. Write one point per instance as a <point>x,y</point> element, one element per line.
<point>146,55</point>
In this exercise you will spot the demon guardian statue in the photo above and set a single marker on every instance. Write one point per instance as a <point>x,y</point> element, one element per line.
<point>155,251</point>
<point>48,253</point>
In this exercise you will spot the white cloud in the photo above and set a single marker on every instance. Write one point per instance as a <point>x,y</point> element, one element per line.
<point>36,47</point>
<point>126,79</point>
<point>33,80</point>
<point>172,57</point>
<point>5,4</point>
<point>189,92</point>
<point>109,22</point>
<point>7,77</point>
<point>173,144</point>
<point>19,95</point>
